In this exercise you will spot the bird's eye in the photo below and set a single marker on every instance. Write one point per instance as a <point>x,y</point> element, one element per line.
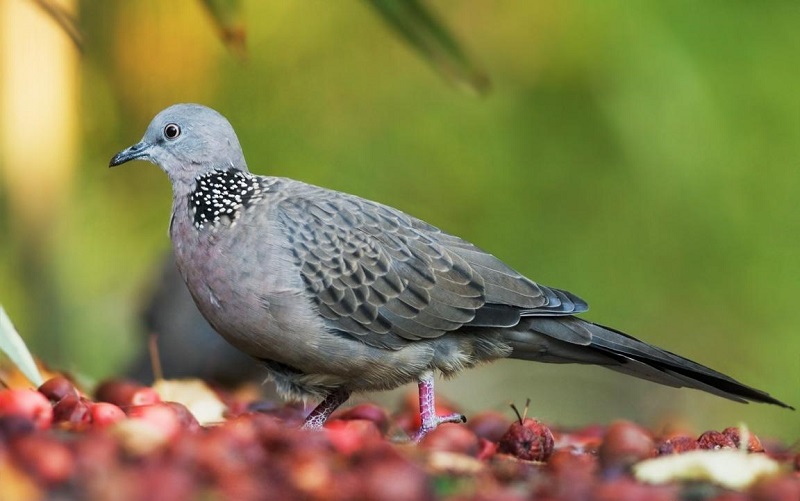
<point>171,131</point>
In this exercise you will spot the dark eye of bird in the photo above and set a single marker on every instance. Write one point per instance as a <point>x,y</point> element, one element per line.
<point>171,131</point>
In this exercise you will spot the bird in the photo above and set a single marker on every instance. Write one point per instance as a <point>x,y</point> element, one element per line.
<point>335,294</point>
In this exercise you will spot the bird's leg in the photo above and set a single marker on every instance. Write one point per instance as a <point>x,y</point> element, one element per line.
<point>322,412</point>
<point>427,409</point>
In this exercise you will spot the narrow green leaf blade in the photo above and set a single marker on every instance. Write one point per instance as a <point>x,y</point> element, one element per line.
<point>229,22</point>
<point>419,27</point>
<point>14,347</point>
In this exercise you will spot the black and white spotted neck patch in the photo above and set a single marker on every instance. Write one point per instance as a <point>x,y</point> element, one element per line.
<point>224,193</point>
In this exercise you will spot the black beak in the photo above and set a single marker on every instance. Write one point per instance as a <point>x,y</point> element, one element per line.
<point>138,150</point>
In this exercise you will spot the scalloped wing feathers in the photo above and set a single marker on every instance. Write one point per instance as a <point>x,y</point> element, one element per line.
<point>388,278</point>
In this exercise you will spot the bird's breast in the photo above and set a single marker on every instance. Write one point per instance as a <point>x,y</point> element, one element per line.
<point>244,283</point>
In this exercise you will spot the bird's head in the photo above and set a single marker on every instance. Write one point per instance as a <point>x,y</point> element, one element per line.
<point>187,141</point>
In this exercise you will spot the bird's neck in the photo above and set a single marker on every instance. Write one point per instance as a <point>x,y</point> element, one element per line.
<point>219,196</point>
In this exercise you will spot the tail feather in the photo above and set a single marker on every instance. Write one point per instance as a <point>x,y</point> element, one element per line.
<point>624,353</point>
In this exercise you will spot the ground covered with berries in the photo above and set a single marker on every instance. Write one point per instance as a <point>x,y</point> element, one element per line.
<point>130,442</point>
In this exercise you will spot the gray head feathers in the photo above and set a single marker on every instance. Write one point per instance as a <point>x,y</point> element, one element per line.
<point>187,141</point>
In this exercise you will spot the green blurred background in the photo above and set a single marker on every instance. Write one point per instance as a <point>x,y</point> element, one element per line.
<point>642,155</point>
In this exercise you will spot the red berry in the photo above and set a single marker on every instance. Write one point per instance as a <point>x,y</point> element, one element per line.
<point>145,396</point>
<point>184,415</point>
<point>714,440</point>
<point>170,417</point>
<point>124,393</point>
<point>753,443</point>
<point>370,412</point>
<point>72,410</point>
<point>451,437</point>
<point>584,440</point>
<point>57,388</point>
<point>624,444</point>
<point>487,449</point>
<point>490,425</point>
<point>46,457</point>
<point>349,436</point>
<point>572,474</point>
<point>677,445</point>
<point>29,404</point>
<point>104,414</point>
<point>527,439</point>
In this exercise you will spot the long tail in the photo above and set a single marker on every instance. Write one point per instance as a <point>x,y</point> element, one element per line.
<point>572,340</point>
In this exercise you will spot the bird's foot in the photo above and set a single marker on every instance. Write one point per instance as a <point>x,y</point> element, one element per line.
<point>431,424</point>
<point>312,423</point>
<point>427,409</point>
<point>322,412</point>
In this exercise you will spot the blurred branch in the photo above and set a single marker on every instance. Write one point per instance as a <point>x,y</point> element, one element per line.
<point>65,20</point>
<point>420,28</point>
<point>229,23</point>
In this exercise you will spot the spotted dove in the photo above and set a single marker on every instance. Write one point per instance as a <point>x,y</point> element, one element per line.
<point>336,294</point>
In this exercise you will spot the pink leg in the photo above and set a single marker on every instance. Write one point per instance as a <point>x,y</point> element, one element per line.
<point>427,409</point>
<point>322,412</point>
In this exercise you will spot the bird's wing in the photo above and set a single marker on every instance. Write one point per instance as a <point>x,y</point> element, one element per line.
<point>387,278</point>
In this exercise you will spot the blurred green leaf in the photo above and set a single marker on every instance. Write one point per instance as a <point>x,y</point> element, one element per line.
<point>419,27</point>
<point>14,347</point>
<point>229,22</point>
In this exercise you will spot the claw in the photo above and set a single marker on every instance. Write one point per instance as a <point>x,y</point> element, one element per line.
<point>427,410</point>
<point>429,427</point>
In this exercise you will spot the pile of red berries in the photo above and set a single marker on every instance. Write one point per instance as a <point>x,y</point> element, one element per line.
<point>125,443</point>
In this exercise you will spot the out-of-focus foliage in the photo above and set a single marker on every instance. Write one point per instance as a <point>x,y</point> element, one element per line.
<point>13,347</point>
<point>427,35</point>
<point>63,18</point>
<point>412,21</point>
<point>229,21</point>
<point>642,155</point>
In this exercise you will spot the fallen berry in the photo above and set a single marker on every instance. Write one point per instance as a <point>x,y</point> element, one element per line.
<point>451,437</point>
<point>529,439</point>
<point>370,412</point>
<point>753,443</point>
<point>28,404</point>
<point>168,417</point>
<point>47,458</point>
<point>624,444</point>
<point>57,388</point>
<point>104,414</point>
<point>72,410</point>
<point>490,425</point>
<point>353,435</point>
<point>677,445</point>
<point>714,440</point>
<point>124,393</point>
